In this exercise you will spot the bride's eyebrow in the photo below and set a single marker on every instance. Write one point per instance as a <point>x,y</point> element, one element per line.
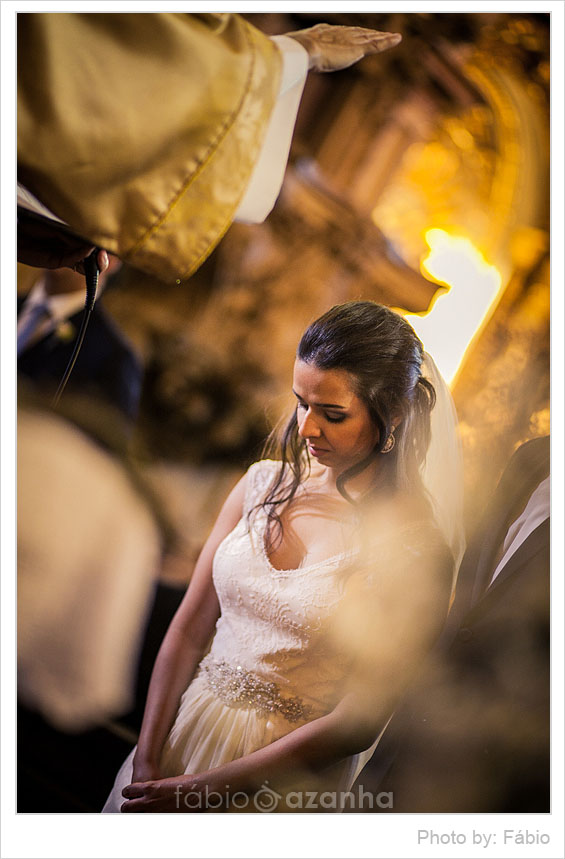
<point>322,405</point>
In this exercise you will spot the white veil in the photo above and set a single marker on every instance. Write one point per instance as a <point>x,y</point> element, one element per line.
<point>442,471</point>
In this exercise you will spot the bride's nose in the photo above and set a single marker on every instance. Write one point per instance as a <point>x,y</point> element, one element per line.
<point>308,427</point>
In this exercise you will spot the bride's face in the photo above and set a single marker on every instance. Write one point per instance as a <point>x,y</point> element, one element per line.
<point>332,419</point>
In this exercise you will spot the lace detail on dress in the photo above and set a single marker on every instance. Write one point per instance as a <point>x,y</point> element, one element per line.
<point>260,476</point>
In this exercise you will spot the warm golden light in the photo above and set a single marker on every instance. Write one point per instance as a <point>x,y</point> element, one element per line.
<point>455,318</point>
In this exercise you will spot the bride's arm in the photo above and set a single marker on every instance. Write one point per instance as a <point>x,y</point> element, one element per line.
<point>390,633</point>
<point>184,644</point>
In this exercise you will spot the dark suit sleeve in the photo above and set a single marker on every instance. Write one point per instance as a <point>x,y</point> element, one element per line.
<point>107,369</point>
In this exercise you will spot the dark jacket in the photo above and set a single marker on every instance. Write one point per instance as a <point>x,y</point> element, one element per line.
<point>107,368</point>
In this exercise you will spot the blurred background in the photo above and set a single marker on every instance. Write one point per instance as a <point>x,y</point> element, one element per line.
<point>418,178</point>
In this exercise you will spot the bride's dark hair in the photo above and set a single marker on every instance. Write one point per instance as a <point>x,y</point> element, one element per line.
<point>383,356</point>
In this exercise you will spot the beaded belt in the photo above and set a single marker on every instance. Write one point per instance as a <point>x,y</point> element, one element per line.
<point>237,686</point>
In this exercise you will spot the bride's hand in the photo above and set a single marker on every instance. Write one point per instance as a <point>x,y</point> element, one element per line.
<point>333,47</point>
<point>181,794</point>
<point>143,771</point>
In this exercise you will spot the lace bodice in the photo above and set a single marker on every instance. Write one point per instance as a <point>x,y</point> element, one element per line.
<point>276,623</point>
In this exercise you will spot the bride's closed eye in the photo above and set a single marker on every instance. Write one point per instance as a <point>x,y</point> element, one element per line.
<point>333,419</point>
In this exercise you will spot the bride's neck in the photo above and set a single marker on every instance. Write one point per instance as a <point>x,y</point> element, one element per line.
<point>373,476</point>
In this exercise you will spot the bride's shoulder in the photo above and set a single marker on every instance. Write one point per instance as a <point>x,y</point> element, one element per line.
<point>263,468</point>
<point>260,475</point>
<point>406,541</point>
<point>404,509</point>
<point>405,520</point>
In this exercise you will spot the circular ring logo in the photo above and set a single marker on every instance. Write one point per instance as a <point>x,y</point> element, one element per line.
<point>266,799</point>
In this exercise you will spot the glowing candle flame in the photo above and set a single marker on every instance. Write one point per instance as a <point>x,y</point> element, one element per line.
<point>457,315</point>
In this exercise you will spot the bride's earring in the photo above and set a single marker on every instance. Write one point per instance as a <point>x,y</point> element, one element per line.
<point>389,444</point>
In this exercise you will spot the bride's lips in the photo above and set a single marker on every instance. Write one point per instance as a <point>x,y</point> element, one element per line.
<point>315,451</point>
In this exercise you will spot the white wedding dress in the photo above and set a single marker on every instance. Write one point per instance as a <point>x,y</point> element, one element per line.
<point>272,665</point>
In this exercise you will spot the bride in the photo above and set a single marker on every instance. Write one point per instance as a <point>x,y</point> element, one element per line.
<point>323,584</point>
